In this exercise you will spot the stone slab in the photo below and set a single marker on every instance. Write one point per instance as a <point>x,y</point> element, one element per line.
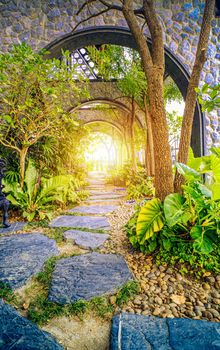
<point>18,333</point>
<point>103,201</point>
<point>23,255</point>
<point>94,209</point>
<point>135,332</point>
<point>90,222</point>
<point>87,276</point>
<point>107,196</point>
<point>16,226</point>
<point>86,239</point>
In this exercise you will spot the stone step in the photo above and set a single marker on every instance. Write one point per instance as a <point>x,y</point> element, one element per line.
<point>23,255</point>
<point>137,332</point>
<point>87,276</point>
<point>89,222</point>
<point>15,226</point>
<point>94,209</point>
<point>86,239</point>
<point>18,333</point>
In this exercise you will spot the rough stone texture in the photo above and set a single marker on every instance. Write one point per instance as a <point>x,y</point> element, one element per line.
<point>94,209</point>
<point>90,222</point>
<point>16,332</point>
<point>134,332</point>
<point>39,23</point>
<point>23,255</point>
<point>16,226</point>
<point>107,196</point>
<point>86,239</point>
<point>87,276</point>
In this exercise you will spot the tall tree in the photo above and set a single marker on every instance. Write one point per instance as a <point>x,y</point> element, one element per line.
<point>190,103</point>
<point>34,95</point>
<point>154,66</point>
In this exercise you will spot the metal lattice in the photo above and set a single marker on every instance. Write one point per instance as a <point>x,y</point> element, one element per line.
<point>84,64</point>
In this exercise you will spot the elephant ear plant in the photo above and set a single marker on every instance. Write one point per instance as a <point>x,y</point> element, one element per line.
<point>191,218</point>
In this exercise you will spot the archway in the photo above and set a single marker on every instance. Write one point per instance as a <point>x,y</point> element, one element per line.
<point>123,37</point>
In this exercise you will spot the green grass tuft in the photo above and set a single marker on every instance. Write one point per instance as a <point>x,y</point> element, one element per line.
<point>127,292</point>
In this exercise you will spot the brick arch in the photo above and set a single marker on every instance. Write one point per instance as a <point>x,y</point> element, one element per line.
<point>123,37</point>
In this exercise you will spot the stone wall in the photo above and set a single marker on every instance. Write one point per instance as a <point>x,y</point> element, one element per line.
<point>39,22</point>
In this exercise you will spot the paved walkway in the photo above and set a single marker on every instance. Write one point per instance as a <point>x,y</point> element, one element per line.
<point>84,277</point>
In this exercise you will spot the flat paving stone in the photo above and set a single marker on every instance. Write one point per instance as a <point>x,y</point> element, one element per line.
<point>107,196</point>
<point>87,276</point>
<point>86,239</point>
<point>90,222</point>
<point>23,255</point>
<point>135,332</point>
<point>18,333</point>
<point>16,226</point>
<point>94,209</point>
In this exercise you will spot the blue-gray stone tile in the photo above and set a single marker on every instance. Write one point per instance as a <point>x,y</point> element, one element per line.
<point>135,332</point>
<point>86,239</point>
<point>23,255</point>
<point>16,226</point>
<point>90,222</point>
<point>94,209</point>
<point>18,333</point>
<point>87,276</point>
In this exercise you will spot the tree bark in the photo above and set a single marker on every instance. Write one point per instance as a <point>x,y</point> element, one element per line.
<point>149,151</point>
<point>153,67</point>
<point>23,154</point>
<point>190,102</point>
<point>133,155</point>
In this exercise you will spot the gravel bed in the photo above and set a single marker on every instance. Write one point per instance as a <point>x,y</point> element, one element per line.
<point>164,291</point>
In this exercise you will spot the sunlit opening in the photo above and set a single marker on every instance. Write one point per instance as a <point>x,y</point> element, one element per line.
<point>101,154</point>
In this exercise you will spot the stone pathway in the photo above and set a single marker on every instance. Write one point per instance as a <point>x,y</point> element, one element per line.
<point>100,272</point>
<point>86,276</point>
<point>94,209</point>
<point>22,256</point>
<point>137,332</point>
<point>18,333</point>
<point>16,226</point>
<point>86,239</point>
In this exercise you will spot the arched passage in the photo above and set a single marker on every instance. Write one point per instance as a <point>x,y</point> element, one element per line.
<point>120,36</point>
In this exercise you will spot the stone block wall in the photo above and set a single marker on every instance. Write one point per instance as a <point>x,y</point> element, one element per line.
<point>39,22</point>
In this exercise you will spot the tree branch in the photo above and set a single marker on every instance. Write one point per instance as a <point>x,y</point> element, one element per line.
<point>156,32</point>
<point>90,17</point>
<point>138,36</point>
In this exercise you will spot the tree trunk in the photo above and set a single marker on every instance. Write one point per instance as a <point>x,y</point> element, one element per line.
<point>162,154</point>
<point>133,155</point>
<point>190,102</point>
<point>149,151</point>
<point>23,154</point>
<point>153,66</point>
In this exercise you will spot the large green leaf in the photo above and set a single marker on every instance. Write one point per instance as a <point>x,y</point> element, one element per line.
<point>216,192</point>
<point>202,241</point>
<point>150,220</point>
<point>216,151</point>
<point>175,211</point>
<point>215,165</point>
<point>30,179</point>
<point>187,172</point>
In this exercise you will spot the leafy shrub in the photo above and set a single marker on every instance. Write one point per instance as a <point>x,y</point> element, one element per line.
<point>187,226</point>
<point>39,195</point>
<point>138,184</point>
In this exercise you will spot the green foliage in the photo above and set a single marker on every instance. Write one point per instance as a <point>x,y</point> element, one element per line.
<point>150,220</point>
<point>127,292</point>
<point>186,225</point>
<point>209,97</point>
<point>39,195</point>
<point>6,293</point>
<point>35,98</point>
<point>138,184</point>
